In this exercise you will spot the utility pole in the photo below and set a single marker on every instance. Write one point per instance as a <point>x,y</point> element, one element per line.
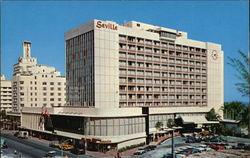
<point>173,154</point>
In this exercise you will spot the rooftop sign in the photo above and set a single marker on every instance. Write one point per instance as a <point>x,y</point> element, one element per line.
<point>110,26</point>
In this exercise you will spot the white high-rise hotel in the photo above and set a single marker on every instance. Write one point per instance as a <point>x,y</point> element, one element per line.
<point>36,85</point>
<point>114,70</point>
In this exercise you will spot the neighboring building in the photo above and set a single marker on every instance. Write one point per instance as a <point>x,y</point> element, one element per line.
<point>6,94</point>
<point>122,79</point>
<point>35,85</point>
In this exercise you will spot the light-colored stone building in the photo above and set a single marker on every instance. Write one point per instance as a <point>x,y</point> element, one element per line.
<point>113,71</point>
<point>35,85</point>
<point>6,94</point>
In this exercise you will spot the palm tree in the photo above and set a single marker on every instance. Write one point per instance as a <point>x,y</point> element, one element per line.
<point>242,68</point>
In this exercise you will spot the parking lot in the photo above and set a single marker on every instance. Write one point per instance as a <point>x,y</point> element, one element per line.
<point>214,148</point>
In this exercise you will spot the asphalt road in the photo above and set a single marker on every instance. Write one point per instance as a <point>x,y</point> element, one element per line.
<point>23,150</point>
<point>165,147</point>
<point>31,148</point>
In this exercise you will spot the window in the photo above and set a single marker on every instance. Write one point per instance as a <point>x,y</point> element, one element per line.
<point>51,83</point>
<point>44,94</point>
<point>44,99</point>
<point>21,82</point>
<point>51,99</point>
<point>51,88</point>
<point>51,94</point>
<point>44,83</point>
<point>59,89</point>
<point>138,25</point>
<point>59,83</point>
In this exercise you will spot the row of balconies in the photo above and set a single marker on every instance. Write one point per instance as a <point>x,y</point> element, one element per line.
<point>135,40</point>
<point>158,65</point>
<point>158,96</point>
<point>130,73</point>
<point>143,103</point>
<point>158,52</point>
<point>165,89</point>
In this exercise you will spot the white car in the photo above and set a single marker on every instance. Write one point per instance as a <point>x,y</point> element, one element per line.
<point>139,152</point>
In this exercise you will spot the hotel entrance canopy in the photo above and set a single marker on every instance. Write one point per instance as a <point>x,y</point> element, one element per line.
<point>196,120</point>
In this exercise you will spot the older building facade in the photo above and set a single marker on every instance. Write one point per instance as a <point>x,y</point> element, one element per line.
<point>113,71</point>
<point>6,94</point>
<point>35,85</point>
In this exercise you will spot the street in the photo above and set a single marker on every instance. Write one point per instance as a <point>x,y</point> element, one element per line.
<point>30,148</point>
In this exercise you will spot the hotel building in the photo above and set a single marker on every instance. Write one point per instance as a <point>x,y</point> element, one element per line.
<point>6,94</point>
<point>113,71</point>
<point>35,85</point>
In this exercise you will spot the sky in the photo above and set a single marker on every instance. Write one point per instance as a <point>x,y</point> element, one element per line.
<point>44,24</point>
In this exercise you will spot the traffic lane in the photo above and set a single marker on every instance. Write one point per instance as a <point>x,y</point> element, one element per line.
<point>11,152</point>
<point>38,145</point>
<point>27,151</point>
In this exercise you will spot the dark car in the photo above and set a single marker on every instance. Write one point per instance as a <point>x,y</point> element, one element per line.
<point>239,146</point>
<point>190,140</point>
<point>150,147</point>
<point>78,151</point>
<point>215,140</point>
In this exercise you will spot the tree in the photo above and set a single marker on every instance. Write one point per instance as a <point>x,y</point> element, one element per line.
<point>158,125</point>
<point>233,110</point>
<point>170,123</point>
<point>242,68</point>
<point>212,116</point>
<point>245,116</point>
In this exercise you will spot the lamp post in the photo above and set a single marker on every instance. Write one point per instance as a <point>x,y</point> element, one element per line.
<point>173,154</point>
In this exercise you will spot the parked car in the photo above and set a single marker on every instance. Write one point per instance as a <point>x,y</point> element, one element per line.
<point>203,148</point>
<point>216,140</point>
<point>139,152</point>
<point>168,155</point>
<point>227,146</point>
<point>78,151</point>
<point>190,140</point>
<point>193,150</point>
<point>239,146</point>
<point>53,154</point>
<point>220,146</point>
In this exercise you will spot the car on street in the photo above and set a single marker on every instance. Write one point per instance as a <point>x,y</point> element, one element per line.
<point>78,151</point>
<point>53,154</point>
<point>139,152</point>
<point>149,148</point>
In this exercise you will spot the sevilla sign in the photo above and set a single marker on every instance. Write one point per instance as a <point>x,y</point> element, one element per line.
<point>110,26</point>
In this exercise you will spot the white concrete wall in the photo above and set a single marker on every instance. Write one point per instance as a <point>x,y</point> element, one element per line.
<point>131,142</point>
<point>106,67</point>
<point>215,78</point>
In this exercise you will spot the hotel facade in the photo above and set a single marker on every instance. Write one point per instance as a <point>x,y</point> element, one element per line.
<point>114,71</point>
<point>6,95</point>
<point>36,85</point>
